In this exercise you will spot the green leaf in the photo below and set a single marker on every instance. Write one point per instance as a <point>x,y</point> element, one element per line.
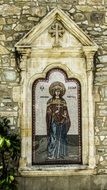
<point>1,141</point>
<point>8,142</point>
<point>11,178</point>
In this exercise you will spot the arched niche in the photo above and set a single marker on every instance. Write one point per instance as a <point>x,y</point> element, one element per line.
<point>67,149</point>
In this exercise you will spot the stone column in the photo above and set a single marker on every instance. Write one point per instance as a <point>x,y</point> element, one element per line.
<point>89,53</point>
<point>23,112</point>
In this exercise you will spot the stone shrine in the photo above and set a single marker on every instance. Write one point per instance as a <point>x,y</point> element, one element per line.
<point>54,91</point>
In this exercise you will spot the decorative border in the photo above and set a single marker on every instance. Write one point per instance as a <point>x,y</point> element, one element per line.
<point>46,79</point>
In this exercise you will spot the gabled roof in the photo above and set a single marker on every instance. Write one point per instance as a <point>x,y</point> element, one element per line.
<point>69,24</point>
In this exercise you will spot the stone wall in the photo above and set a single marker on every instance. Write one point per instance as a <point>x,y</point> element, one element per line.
<point>72,182</point>
<point>17,17</point>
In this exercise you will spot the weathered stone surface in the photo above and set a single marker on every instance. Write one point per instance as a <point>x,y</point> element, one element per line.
<point>97,17</point>
<point>97,29</point>
<point>2,21</point>
<point>10,75</point>
<point>57,184</point>
<point>78,182</point>
<point>82,2</point>
<point>3,50</point>
<point>16,94</point>
<point>7,27</point>
<point>105,32</point>
<point>2,37</point>
<point>103,58</point>
<point>95,2</point>
<point>103,132</point>
<point>20,27</point>
<point>97,141</point>
<point>65,6</point>
<point>101,79</point>
<point>72,10</point>
<point>101,158</point>
<point>33,18</point>
<point>7,9</point>
<point>102,138</point>
<point>39,11</point>
<point>104,163</point>
<point>97,129</point>
<point>5,93</point>
<point>101,150</point>
<point>79,17</point>
<point>85,8</point>
<point>5,60</point>
<point>103,113</point>
<point>105,142</point>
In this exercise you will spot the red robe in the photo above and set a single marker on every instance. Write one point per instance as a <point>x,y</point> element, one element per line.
<point>57,111</point>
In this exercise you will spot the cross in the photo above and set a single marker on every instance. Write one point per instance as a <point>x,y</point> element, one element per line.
<point>56,31</point>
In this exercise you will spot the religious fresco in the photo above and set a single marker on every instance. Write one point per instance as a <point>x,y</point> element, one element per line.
<point>56,119</point>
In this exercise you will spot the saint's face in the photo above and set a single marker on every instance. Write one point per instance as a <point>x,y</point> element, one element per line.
<point>57,92</point>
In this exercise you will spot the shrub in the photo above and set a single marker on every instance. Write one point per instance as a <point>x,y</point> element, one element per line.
<point>9,155</point>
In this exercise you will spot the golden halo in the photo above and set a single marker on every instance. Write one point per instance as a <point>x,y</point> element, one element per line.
<point>57,86</point>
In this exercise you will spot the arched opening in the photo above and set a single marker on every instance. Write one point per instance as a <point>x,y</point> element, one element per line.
<point>56,119</point>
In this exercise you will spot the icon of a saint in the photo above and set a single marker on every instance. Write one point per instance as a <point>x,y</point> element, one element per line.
<point>58,122</point>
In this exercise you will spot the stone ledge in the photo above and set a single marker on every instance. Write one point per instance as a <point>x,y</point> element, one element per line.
<point>66,170</point>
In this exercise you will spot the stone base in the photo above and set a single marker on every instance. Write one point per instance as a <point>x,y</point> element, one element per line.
<point>78,182</point>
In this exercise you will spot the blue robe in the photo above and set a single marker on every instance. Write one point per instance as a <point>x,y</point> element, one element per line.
<point>58,124</point>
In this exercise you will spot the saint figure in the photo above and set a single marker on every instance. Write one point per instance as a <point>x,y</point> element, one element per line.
<point>58,122</point>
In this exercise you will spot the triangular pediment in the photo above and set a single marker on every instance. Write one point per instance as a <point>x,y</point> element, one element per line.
<point>77,36</point>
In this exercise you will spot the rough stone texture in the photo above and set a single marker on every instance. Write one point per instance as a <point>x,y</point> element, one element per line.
<point>93,182</point>
<point>16,19</point>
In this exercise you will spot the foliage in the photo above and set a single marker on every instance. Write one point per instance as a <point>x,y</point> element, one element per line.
<point>9,155</point>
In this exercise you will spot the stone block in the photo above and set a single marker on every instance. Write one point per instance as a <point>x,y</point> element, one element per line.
<point>2,21</point>
<point>68,1</point>
<point>39,11</point>
<point>20,183</point>
<point>105,33</point>
<point>98,122</point>
<point>104,163</point>
<point>2,37</point>
<point>89,182</point>
<point>95,2</point>
<point>19,27</point>
<point>79,17</point>
<point>11,119</point>
<point>36,19</point>
<point>16,94</point>
<point>3,50</point>
<point>5,60</point>
<point>4,92</point>
<point>103,113</point>
<point>86,8</point>
<point>101,79</point>
<point>96,183</point>
<point>10,75</point>
<point>65,6</point>
<point>97,141</point>
<point>7,9</point>
<point>39,183</point>
<point>58,183</point>
<point>82,2</point>
<point>105,1</point>
<point>97,17</point>
<point>35,183</point>
<point>105,143</point>
<point>79,182</point>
